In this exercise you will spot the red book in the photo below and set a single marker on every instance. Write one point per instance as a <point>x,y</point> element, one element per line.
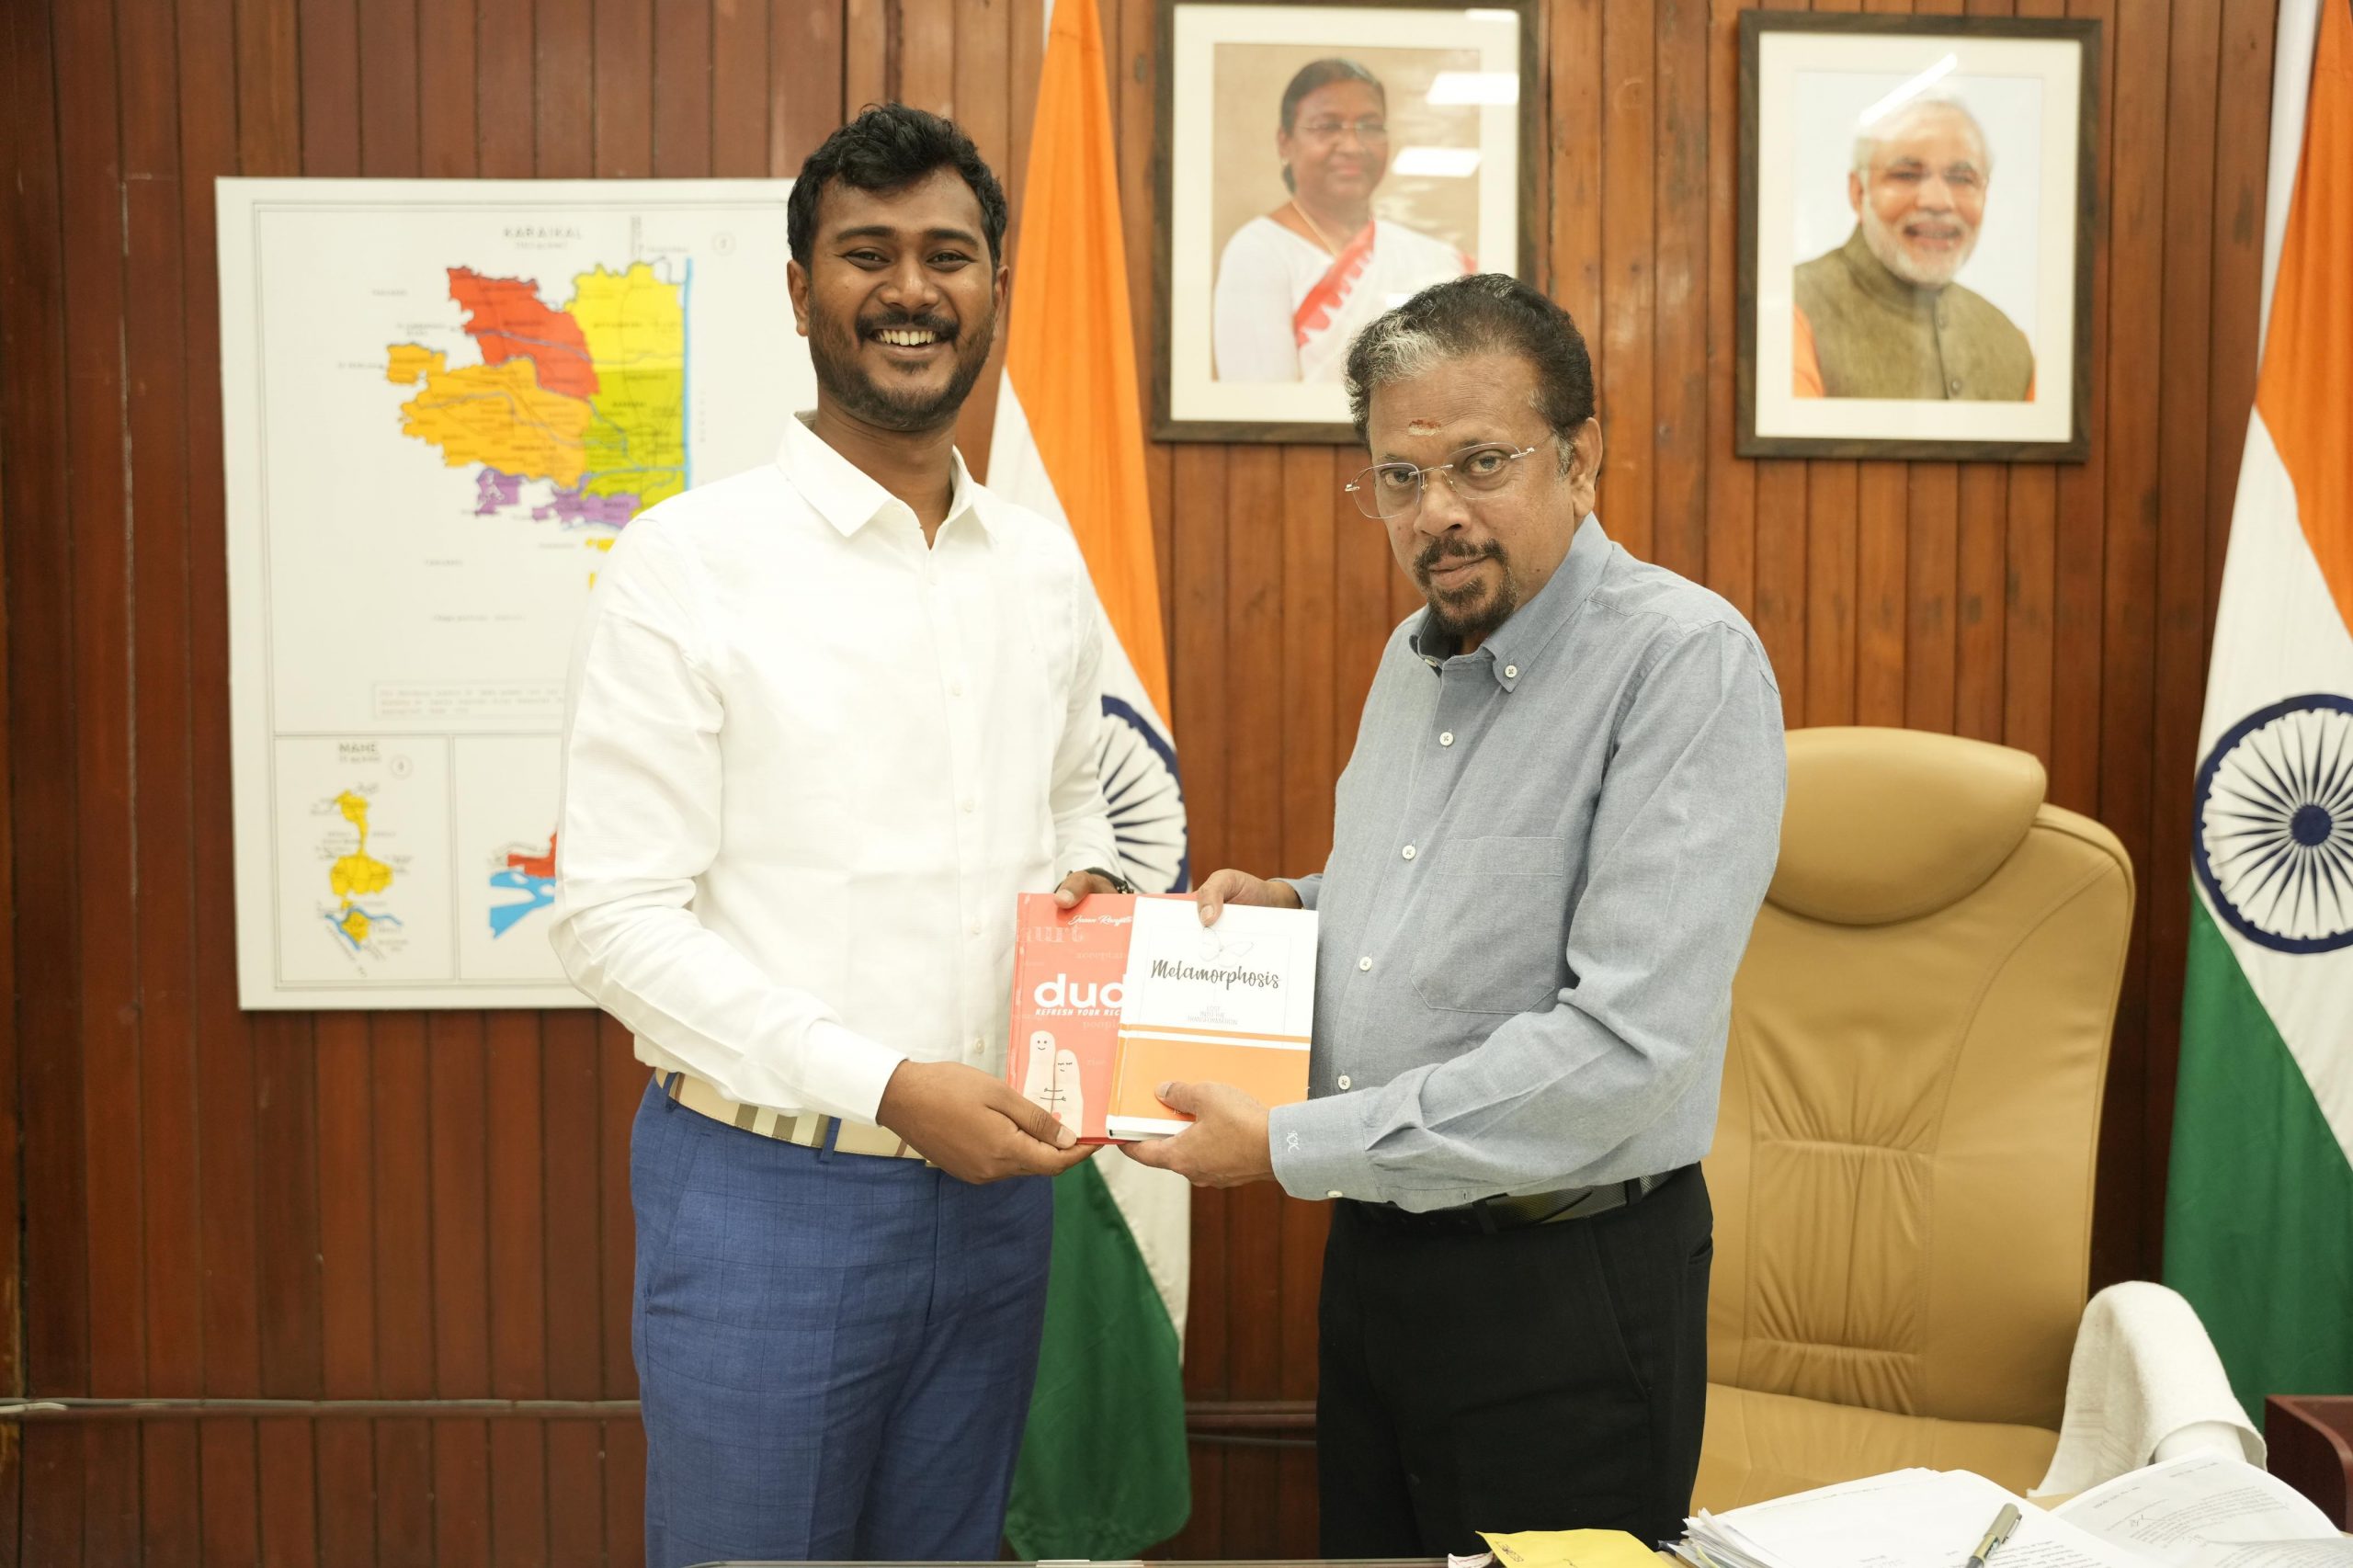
<point>1068,968</point>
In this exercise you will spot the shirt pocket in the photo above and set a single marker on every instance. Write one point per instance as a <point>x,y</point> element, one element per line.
<point>1491,927</point>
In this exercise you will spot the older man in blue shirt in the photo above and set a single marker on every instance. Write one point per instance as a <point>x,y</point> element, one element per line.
<point>1547,850</point>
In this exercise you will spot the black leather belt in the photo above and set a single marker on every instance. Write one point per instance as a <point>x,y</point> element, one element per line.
<point>1486,1216</point>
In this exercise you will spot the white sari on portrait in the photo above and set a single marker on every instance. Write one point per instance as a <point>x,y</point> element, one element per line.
<point>1285,310</point>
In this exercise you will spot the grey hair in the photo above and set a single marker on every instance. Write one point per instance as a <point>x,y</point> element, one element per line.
<point>1869,135</point>
<point>1485,313</point>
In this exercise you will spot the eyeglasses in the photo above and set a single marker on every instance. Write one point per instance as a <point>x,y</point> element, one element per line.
<point>1392,490</point>
<point>1372,127</point>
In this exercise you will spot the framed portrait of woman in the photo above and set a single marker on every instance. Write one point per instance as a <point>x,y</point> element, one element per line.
<point>1319,164</point>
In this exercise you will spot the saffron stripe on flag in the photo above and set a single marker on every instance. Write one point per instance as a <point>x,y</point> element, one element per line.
<point>1104,1469</point>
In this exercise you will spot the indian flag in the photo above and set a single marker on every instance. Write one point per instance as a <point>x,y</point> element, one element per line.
<point>2260,1214</point>
<point>1103,1470</point>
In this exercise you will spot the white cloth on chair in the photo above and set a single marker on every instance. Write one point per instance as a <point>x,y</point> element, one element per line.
<point>2145,1383</point>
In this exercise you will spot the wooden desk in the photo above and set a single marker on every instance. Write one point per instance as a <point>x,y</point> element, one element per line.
<point>2311,1439</point>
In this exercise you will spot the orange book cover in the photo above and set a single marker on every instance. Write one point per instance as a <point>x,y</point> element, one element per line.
<point>1069,969</point>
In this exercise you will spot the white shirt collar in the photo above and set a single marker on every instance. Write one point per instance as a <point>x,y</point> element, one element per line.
<point>848,498</point>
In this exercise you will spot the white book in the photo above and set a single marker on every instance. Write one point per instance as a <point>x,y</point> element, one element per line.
<point>1233,1003</point>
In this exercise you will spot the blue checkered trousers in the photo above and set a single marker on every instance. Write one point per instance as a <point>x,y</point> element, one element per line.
<point>835,1351</point>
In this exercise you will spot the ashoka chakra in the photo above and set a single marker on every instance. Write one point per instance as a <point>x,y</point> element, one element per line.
<point>2274,845</point>
<point>1140,784</point>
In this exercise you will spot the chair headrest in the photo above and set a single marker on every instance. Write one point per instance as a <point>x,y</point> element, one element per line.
<point>1883,826</point>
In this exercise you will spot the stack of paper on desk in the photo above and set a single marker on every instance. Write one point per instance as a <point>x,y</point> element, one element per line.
<point>2206,1511</point>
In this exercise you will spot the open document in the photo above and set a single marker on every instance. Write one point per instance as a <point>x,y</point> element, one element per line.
<point>2204,1511</point>
<point>2210,1511</point>
<point>1909,1519</point>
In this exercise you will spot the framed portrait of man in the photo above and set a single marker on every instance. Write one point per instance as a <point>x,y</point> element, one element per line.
<point>1917,206</point>
<point>1319,164</point>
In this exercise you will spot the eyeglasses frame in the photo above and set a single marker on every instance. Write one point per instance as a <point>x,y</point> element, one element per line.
<point>1358,488</point>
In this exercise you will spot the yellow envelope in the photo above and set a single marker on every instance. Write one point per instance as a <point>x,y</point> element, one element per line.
<point>1570,1549</point>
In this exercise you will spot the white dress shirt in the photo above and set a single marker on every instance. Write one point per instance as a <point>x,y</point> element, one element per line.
<point>809,763</point>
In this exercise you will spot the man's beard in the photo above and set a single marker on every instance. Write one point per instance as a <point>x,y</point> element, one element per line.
<point>1462,612</point>
<point>1888,246</point>
<point>833,351</point>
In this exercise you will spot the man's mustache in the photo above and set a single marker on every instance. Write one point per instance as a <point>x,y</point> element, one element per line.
<point>924,321</point>
<point>1441,550</point>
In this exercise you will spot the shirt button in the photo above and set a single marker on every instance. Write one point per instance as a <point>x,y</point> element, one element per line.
<point>1333,1193</point>
<point>1953,386</point>
<point>967,807</point>
<point>1447,739</point>
<point>955,688</point>
<point>1343,1080</point>
<point>1364,964</point>
<point>974,928</point>
<point>1409,852</point>
<point>1511,672</point>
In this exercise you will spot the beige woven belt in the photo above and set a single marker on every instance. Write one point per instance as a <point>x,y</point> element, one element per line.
<point>805,1127</point>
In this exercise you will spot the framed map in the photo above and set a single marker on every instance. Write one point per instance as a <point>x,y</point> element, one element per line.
<point>443,400</point>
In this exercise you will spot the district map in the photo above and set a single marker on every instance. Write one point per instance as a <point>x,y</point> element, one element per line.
<point>443,402</point>
<point>589,396</point>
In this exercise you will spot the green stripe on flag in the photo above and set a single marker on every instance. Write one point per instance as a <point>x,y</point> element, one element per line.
<point>1103,1470</point>
<point>2257,1235</point>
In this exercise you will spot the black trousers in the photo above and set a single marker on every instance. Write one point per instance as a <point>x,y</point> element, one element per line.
<point>1550,1378</point>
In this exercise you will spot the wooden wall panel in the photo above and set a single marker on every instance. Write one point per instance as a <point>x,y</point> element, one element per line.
<point>426,1210</point>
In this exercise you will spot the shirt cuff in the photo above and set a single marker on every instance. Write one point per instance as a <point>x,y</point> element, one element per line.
<point>1304,889</point>
<point>1318,1150</point>
<point>848,1071</point>
<point>1082,858</point>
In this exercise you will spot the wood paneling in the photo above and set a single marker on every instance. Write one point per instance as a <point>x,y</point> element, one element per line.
<point>417,1209</point>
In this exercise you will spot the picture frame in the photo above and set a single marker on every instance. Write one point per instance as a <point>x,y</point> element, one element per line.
<point>1268,261</point>
<point>1918,217</point>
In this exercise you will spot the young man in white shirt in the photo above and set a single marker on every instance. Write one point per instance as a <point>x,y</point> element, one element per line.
<point>827,719</point>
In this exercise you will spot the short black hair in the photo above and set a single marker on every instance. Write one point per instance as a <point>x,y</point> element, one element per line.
<point>889,147</point>
<point>1485,313</point>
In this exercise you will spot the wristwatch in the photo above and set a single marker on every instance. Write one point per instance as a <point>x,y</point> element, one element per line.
<point>1119,883</point>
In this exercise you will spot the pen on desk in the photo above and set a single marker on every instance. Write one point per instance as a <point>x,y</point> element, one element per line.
<point>2004,1523</point>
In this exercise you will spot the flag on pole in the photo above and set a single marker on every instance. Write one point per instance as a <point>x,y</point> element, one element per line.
<point>2259,1208</point>
<point>1103,1470</point>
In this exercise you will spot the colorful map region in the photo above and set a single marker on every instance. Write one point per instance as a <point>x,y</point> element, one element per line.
<point>589,399</point>
<point>529,873</point>
<point>506,319</point>
<point>493,415</point>
<point>355,875</point>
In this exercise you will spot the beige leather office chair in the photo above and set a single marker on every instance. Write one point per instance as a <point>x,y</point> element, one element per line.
<point>1903,1172</point>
